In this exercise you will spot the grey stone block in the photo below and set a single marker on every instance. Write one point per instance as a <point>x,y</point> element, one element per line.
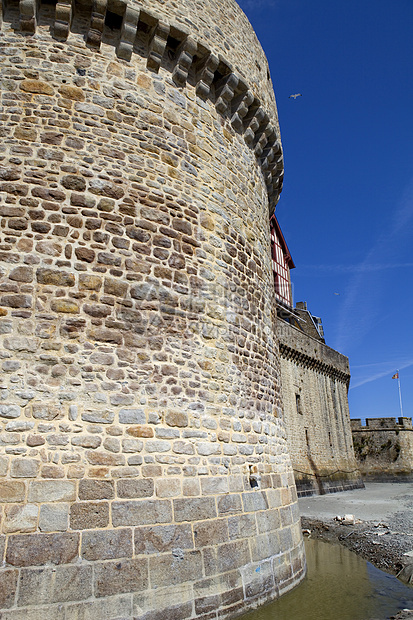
<point>144,512</point>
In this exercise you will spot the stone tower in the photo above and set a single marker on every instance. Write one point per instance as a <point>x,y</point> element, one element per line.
<point>143,462</point>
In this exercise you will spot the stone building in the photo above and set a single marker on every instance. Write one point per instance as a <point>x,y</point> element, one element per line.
<point>314,387</point>
<point>384,448</point>
<point>143,457</point>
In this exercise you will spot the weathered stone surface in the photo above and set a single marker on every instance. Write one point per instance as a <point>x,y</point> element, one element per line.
<point>107,545</point>
<point>179,567</point>
<point>24,468</point>
<point>142,512</point>
<point>54,517</point>
<point>38,549</point>
<point>89,515</point>
<point>163,538</point>
<point>135,488</point>
<point>20,518</point>
<point>96,489</point>
<point>119,577</point>
<point>52,491</point>
<point>8,587</point>
<point>12,491</point>
<point>194,509</point>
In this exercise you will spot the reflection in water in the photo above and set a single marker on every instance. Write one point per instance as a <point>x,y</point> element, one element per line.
<point>339,586</point>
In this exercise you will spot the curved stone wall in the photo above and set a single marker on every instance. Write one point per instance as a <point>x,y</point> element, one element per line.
<point>144,466</point>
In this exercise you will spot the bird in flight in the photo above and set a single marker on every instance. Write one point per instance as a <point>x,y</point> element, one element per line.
<point>295,96</point>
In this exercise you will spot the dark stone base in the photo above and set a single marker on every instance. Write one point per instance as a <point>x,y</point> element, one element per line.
<point>326,485</point>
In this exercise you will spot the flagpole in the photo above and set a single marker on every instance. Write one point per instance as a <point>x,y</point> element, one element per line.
<point>400,394</point>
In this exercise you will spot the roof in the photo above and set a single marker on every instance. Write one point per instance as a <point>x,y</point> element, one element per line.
<point>274,224</point>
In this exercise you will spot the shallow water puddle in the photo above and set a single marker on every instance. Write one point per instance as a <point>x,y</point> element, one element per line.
<point>339,586</point>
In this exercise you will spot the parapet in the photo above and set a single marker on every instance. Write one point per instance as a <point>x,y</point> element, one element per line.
<point>381,424</point>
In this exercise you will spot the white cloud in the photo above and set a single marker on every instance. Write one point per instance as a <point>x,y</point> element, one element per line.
<point>388,369</point>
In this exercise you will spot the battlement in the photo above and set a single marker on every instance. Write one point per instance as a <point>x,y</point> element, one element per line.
<point>218,66</point>
<point>381,424</point>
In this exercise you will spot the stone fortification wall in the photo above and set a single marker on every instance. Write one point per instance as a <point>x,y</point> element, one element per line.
<point>143,458</point>
<point>384,448</point>
<point>315,381</point>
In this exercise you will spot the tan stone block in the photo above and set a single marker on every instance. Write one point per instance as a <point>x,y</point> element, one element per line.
<point>103,609</point>
<point>176,418</point>
<point>71,92</point>
<point>191,487</point>
<point>211,532</point>
<point>90,282</point>
<point>12,491</point>
<point>54,517</point>
<point>175,568</point>
<point>120,577</point>
<point>214,486</point>
<point>226,557</point>
<point>168,487</point>
<point>52,491</point>
<point>194,509</point>
<point>143,512</point>
<point>96,489</point>
<point>27,468</point>
<point>107,545</point>
<point>163,538</point>
<point>140,431</point>
<point>64,305</point>
<point>20,518</point>
<point>38,549</point>
<point>8,587</point>
<point>87,515</point>
<point>135,488</point>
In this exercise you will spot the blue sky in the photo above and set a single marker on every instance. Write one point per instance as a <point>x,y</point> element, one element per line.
<point>347,205</point>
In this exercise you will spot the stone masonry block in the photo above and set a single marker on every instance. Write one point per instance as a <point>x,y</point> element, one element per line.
<point>214,486</point>
<point>226,557</point>
<point>144,512</point>
<point>178,567</point>
<point>265,546</point>
<point>12,491</point>
<point>107,545</point>
<point>54,517</point>
<point>8,587</point>
<point>135,488</point>
<point>268,521</point>
<point>52,491</point>
<point>86,515</point>
<point>229,504</point>
<point>38,549</point>
<point>27,468</point>
<point>240,526</point>
<point>9,411</point>
<point>162,538</point>
<point>65,583</point>
<point>120,577</point>
<point>96,489</point>
<point>212,532</point>
<point>20,518</point>
<point>194,509</point>
<point>102,609</point>
<point>168,487</point>
<point>255,500</point>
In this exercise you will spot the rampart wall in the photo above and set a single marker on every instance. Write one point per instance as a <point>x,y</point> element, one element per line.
<point>314,380</point>
<point>143,458</point>
<point>384,448</point>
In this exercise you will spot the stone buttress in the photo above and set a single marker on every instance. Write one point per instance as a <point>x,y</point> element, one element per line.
<point>144,471</point>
